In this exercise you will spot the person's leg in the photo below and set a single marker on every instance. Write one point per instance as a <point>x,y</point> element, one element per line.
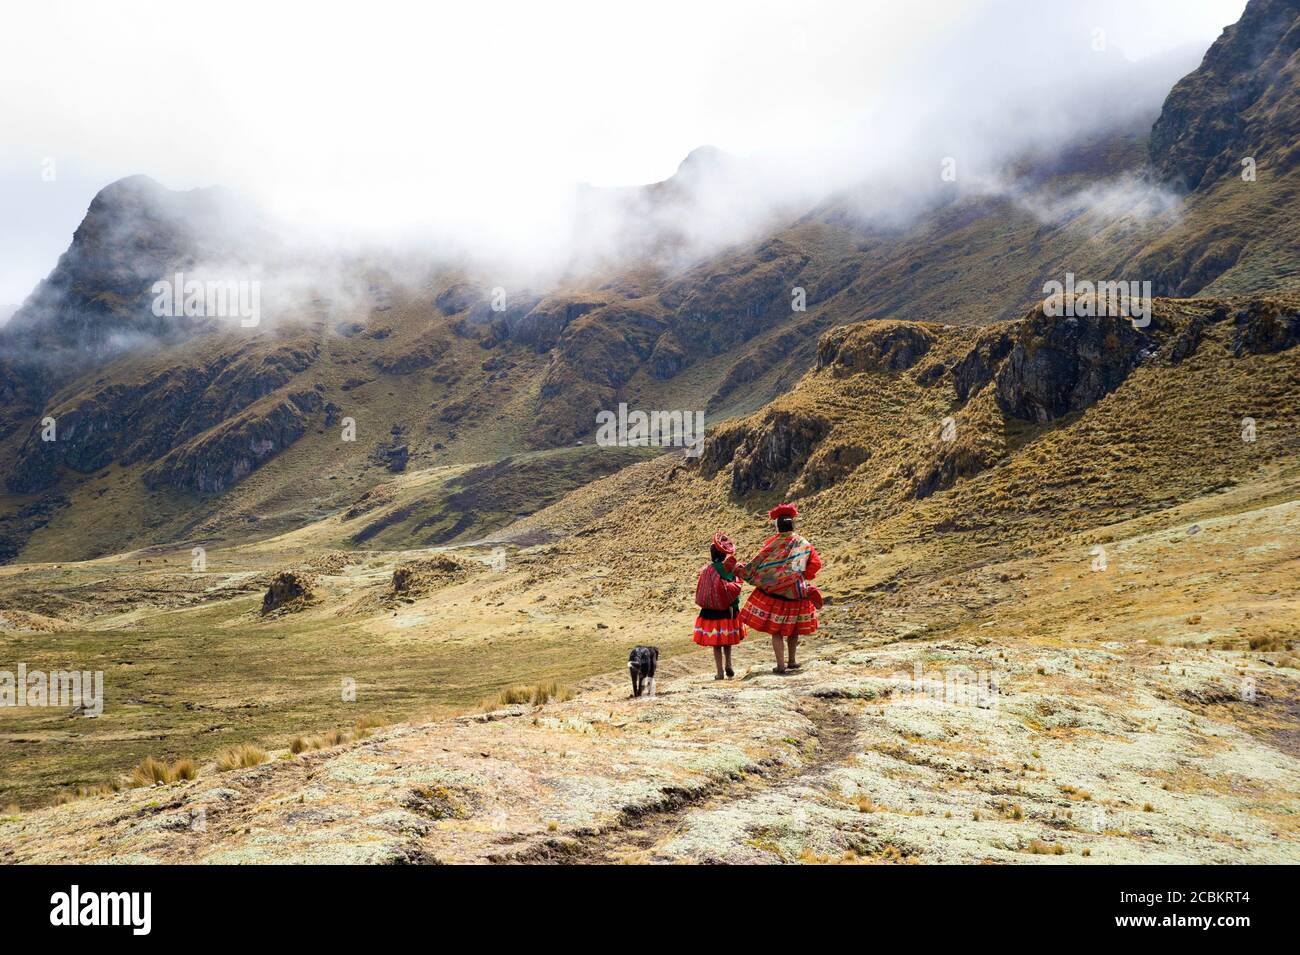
<point>778,648</point>
<point>726,652</point>
<point>717,662</point>
<point>793,644</point>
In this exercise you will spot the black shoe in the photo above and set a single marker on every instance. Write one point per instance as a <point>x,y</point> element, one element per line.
<point>730,672</point>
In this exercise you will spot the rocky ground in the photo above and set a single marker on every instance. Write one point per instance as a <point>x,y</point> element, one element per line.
<point>1026,732</point>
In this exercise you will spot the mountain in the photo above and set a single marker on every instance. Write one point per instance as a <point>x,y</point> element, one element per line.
<point>1094,511</point>
<point>183,411</point>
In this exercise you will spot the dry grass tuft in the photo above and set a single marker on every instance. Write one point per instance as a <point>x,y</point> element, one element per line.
<point>1040,848</point>
<point>539,694</point>
<point>240,757</point>
<point>78,793</point>
<point>336,737</point>
<point>1267,643</point>
<point>154,772</point>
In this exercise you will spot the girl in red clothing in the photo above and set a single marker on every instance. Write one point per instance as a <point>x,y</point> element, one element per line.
<point>783,602</point>
<point>717,592</point>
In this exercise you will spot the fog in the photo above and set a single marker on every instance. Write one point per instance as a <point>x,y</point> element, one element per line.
<point>510,132</point>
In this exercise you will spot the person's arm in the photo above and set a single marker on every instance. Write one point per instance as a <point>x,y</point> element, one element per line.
<point>744,570</point>
<point>731,589</point>
<point>814,563</point>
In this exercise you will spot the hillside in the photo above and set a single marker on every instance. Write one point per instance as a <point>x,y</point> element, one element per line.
<point>357,535</point>
<point>1111,719</point>
<point>179,428</point>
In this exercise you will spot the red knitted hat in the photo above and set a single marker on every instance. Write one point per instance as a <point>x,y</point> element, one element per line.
<point>783,510</point>
<point>723,543</point>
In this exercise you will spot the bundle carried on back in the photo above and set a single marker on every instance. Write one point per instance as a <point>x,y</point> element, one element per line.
<point>786,562</point>
<point>781,567</point>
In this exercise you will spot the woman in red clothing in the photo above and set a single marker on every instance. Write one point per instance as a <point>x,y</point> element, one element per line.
<point>717,592</point>
<point>783,602</point>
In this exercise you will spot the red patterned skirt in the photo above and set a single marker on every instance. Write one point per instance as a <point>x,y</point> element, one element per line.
<point>726,632</point>
<point>777,616</point>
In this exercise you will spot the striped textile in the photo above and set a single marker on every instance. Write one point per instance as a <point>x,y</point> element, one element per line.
<point>781,567</point>
<point>714,593</point>
<point>780,618</point>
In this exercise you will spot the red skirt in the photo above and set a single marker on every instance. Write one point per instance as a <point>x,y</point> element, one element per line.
<point>780,618</point>
<point>718,633</point>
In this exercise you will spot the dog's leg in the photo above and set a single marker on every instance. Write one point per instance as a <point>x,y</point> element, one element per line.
<point>651,683</point>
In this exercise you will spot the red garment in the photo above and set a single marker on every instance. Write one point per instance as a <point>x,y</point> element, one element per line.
<point>770,613</point>
<point>718,633</point>
<point>716,596</point>
<point>714,593</point>
<point>780,618</point>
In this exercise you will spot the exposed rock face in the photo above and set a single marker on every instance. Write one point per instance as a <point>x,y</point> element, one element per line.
<point>542,326</point>
<point>290,591</point>
<point>226,454</point>
<point>976,370</point>
<point>1060,365</point>
<point>146,419</point>
<point>1265,326</point>
<point>458,297</point>
<point>1243,101</point>
<point>667,358</point>
<point>769,456</point>
<point>873,346</point>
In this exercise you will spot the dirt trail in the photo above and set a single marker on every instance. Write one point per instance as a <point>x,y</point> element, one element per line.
<point>638,833</point>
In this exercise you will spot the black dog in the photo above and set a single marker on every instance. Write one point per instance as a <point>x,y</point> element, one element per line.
<point>641,663</point>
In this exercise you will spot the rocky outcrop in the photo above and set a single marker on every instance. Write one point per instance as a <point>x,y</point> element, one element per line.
<point>1243,101</point>
<point>458,297</point>
<point>227,454</point>
<point>289,591</point>
<point>874,346</point>
<point>543,325</point>
<point>1265,326</point>
<point>1059,365</point>
<point>667,358</point>
<point>128,421</point>
<point>977,368</point>
<point>769,455</point>
<point>414,578</point>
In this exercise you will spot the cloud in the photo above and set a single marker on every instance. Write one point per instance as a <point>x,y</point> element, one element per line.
<point>466,130</point>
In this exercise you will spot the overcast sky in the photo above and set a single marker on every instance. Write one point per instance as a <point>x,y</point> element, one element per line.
<point>384,114</point>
